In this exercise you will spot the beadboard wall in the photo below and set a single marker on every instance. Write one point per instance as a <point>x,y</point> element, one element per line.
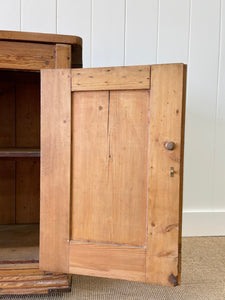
<point>131,32</point>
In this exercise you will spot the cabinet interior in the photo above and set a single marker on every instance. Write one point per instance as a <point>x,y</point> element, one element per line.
<point>19,166</point>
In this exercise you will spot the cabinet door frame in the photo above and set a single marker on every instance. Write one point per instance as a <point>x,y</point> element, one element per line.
<point>159,261</point>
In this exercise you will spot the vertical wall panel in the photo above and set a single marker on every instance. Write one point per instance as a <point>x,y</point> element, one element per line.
<point>133,32</point>
<point>219,172</point>
<point>201,104</point>
<point>173,31</point>
<point>10,15</point>
<point>74,17</point>
<point>108,33</point>
<point>38,16</point>
<point>141,32</point>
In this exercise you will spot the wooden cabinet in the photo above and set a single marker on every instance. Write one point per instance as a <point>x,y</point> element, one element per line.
<point>100,151</point>
<point>22,55</point>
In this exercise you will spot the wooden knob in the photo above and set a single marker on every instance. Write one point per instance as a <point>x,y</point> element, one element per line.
<point>169,145</point>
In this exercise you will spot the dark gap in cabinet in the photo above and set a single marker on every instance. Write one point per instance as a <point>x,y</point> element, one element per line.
<point>19,166</point>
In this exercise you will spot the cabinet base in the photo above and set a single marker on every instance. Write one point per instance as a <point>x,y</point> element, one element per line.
<point>28,279</point>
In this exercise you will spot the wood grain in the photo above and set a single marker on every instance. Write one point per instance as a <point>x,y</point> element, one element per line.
<point>39,37</point>
<point>26,279</point>
<point>32,277</point>
<point>19,152</point>
<point>27,191</point>
<point>19,243</point>
<point>15,269</point>
<point>110,138</point>
<point>26,56</point>
<point>36,291</point>
<point>20,127</point>
<point>7,114</point>
<point>7,192</point>
<point>22,267</point>
<point>56,282</point>
<point>164,192</point>
<point>63,56</point>
<point>107,261</point>
<point>126,208</point>
<point>27,111</point>
<point>55,169</point>
<point>117,78</point>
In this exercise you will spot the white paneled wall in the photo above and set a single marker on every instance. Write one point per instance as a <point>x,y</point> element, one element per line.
<point>173,31</point>
<point>75,17</point>
<point>219,163</point>
<point>202,104</point>
<point>108,25</point>
<point>131,32</point>
<point>141,32</point>
<point>38,15</point>
<point>10,15</point>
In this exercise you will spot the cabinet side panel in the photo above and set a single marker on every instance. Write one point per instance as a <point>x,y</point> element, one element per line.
<point>164,188</point>
<point>55,169</point>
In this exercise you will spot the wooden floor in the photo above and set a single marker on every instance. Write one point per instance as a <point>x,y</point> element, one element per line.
<point>19,243</point>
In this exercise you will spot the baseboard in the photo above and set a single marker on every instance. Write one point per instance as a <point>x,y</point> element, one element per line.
<point>203,223</point>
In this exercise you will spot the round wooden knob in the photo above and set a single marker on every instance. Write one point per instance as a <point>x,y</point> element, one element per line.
<point>169,145</point>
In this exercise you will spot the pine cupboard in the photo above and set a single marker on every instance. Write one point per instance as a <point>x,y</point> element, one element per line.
<point>22,55</point>
<point>100,151</point>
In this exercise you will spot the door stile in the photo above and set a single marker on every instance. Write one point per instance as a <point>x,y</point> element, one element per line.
<point>55,169</point>
<point>165,174</point>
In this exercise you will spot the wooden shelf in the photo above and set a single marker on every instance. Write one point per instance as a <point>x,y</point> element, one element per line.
<point>19,243</point>
<point>19,152</point>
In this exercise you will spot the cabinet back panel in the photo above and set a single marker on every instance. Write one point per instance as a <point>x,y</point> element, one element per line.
<point>28,112</point>
<point>19,109</point>
<point>7,114</point>
<point>7,192</point>
<point>109,158</point>
<point>19,191</point>
<point>27,191</point>
<point>19,128</point>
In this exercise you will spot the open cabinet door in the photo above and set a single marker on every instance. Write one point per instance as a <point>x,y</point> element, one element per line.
<point>111,172</point>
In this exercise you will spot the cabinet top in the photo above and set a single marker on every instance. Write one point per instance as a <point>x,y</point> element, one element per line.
<point>40,37</point>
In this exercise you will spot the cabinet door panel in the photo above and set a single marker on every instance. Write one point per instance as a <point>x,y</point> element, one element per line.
<point>109,163</point>
<point>111,190</point>
<point>105,260</point>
